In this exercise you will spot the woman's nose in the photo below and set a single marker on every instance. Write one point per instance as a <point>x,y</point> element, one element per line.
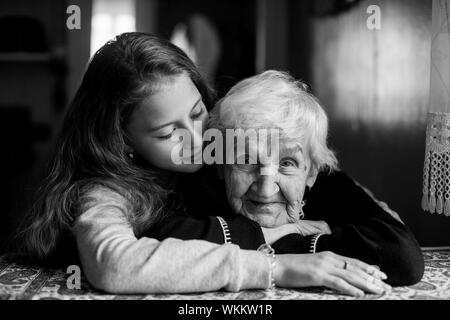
<point>266,186</point>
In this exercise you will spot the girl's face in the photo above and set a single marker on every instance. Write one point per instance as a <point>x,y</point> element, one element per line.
<point>153,124</point>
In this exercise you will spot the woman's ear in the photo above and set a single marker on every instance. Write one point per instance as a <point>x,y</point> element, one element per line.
<point>312,176</point>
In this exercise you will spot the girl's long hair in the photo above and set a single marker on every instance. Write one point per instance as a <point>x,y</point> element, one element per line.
<point>90,150</point>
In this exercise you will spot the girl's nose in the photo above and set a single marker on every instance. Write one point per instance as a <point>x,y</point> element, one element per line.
<point>197,134</point>
<point>195,129</point>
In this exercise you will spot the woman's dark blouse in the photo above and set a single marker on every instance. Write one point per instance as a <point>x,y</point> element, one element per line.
<point>360,227</point>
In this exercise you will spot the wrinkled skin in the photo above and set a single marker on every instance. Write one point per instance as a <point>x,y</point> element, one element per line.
<point>271,199</point>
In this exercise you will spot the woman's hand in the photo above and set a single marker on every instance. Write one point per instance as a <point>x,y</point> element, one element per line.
<point>309,227</point>
<point>302,227</point>
<point>347,275</point>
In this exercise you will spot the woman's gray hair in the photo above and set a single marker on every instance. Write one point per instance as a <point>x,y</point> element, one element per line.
<point>274,99</point>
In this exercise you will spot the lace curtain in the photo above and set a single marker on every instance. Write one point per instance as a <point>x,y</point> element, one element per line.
<point>436,174</point>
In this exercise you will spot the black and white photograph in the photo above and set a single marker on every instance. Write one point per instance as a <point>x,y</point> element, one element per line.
<point>235,152</point>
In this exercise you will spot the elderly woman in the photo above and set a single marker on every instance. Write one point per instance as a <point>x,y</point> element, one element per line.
<point>230,227</point>
<point>299,204</point>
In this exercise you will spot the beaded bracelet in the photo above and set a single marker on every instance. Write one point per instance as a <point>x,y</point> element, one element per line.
<point>270,252</point>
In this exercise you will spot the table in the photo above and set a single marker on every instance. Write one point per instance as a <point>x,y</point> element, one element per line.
<point>20,282</point>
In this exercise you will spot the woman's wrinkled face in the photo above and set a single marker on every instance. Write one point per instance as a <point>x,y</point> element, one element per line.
<point>270,193</point>
<point>154,123</point>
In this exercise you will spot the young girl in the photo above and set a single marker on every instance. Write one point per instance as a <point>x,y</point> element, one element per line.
<point>112,177</point>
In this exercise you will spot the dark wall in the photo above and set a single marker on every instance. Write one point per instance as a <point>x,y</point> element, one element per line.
<point>33,96</point>
<point>235,22</point>
<point>374,85</point>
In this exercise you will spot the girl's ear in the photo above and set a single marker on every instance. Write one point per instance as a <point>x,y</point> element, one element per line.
<point>128,149</point>
<point>220,173</point>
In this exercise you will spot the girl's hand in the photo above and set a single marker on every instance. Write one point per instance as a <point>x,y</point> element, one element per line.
<point>327,269</point>
<point>302,227</point>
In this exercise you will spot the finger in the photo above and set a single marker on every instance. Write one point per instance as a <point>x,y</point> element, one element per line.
<point>305,229</point>
<point>365,283</point>
<point>320,226</point>
<point>309,225</point>
<point>341,285</point>
<point>368,277</point>
<point>326,228</point>
<point>369,269</point>
<point>359,269</point>
<point>313,229</point>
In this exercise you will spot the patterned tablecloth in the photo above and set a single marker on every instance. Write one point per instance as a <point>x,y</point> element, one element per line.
<point>20,282</point>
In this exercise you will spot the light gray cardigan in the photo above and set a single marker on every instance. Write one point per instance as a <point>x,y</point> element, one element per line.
<point>114,260</point>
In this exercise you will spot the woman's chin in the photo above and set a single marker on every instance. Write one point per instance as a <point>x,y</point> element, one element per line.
<point>269,219</point>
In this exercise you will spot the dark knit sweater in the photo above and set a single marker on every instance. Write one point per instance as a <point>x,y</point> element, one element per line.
<point>360,227</point>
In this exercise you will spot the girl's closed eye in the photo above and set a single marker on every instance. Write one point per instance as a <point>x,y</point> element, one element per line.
<point>198,111</point>
<point>167,136</point>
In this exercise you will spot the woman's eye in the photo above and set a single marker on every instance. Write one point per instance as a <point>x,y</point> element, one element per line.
<point>245,159</point>
<point>167,136</point>
<point>288,163</point>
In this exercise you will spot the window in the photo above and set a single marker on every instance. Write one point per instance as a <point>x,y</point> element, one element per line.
<point>110,18</point>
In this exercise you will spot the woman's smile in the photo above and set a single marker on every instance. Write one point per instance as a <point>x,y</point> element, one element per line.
<point>263,207</point>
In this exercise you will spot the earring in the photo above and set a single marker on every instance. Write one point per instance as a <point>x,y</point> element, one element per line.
<point>276,188</point>
<point>301,213</point>
<point>131,155</point>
